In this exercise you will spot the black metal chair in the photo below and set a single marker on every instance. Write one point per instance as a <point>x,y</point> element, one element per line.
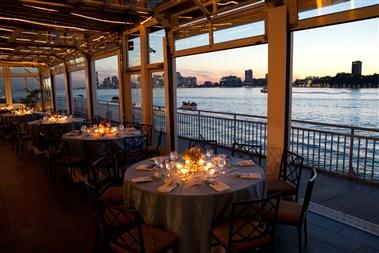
<point>295,214</point>
<point>135,236</point>
<point>21,137</point>
<point>203,144</point>
<point>288,183</point>
<point>155,150</point>
<point>147,131</point>
<point>134,150</point>
<point>251,225</point>
<point>248,151</point>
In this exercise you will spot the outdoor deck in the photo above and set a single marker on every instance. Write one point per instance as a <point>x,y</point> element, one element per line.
<point>46,214</point>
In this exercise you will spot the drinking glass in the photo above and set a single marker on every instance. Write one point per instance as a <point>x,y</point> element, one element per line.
<point>83,128</point>
<point>173,156</point>
<point>170,165</point>
<point>121,127</point>
<point>209,153</point>
<point>221,162</point>
<point>158,162</point>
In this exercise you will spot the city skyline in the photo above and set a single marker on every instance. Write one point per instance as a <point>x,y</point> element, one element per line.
<point>317,52</point>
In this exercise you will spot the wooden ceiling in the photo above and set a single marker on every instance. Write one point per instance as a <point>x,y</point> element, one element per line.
<point>52,31</point>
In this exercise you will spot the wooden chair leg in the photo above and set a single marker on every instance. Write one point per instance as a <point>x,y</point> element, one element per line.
<point>305,231</point>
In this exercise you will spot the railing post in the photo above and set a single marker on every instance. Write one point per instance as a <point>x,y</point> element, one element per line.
<point>234,127</point>
<point>198,123</point>
<point>351,170</point>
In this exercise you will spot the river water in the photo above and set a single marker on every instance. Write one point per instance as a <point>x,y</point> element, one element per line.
<point>359,107</point>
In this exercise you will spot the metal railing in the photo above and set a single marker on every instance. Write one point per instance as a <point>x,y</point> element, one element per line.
<point>347,150</point>
<point>108,110</point>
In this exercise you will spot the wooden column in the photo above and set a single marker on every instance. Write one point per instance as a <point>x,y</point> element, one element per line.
<point>279,97</point>
<point>146,86</point>
<point>126,81</point>
<point>7,84</point>
<point>41,89</point>
<point>121,78</point>
<point>52,80</point>
<point>170,92</point>
<point>91,86</point>
<point>68,88</point>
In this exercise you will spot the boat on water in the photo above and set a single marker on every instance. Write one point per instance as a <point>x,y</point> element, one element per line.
<point>115,99</point>
<point>188,105</point>
<point>264,90</point>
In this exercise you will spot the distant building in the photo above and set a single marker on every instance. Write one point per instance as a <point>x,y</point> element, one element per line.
<point>248,77</point>
<point>356,68</point>
<point>230,81</point>
<point>185,81</point>
<point>158,81</point>
<point>207,84</point>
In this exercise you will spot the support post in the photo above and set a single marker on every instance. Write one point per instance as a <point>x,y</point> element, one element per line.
<point>279,90</point>
<point>91,82</point>
<point>170,92</point>
<point>68,88</point>
<point>146,86</point>
<point>52,82</point>
<point>7,83</point>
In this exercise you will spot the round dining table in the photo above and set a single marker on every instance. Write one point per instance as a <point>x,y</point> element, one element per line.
<point>190,210</point>
<point>36,126</point>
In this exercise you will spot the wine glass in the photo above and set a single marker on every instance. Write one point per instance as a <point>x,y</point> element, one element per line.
<point>170,166</point>
<point>173,156</point>
<point>158,162</point>
<point>83,128</point>
<point>209,153</point>
<point>221,162</point>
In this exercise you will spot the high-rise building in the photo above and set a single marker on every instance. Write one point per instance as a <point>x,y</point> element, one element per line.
<point>248,76</point>
<point>230,81</point>
<point>356,68</point>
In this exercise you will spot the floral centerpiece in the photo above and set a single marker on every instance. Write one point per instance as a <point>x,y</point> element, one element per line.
<point>104,128</point>
<point>56,116</point>
<point>193,159</point>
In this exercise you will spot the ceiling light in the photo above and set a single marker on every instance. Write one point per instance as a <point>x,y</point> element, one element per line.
<point>84,44</point>
<point>7,48</point>
<point>4,37</point>
<point>143,12</point>
<point>143,22</point>
<point>23,39</point>
<point>42,24</point>
<point>25,50</point>
<point>100,19</point>
<point>40,8</point>
<point>98,38</point>
<point>185,17</point>
<point>227,3</point>
<point>65,37</point>
<point>5,29</point>
<point>28,32</point>
<point>40,41</point>
<point>48,34</point>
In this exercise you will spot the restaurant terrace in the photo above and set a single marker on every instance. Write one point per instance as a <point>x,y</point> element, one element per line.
<point>83,173</point>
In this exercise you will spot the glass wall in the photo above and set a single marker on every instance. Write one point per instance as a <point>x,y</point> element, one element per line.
<point>157,79</point>
<point>60,93</point>
<point>107,92</point>
<point>47,94</point>
<point>79,93</point>
<point>134,50</point>
<point>156,46</point>
<point>136,96</point>
<point>26,90</point>
<point>3,98</point>
<point>239,32</point>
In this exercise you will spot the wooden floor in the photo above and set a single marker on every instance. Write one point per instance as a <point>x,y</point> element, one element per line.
<point>41,214</point>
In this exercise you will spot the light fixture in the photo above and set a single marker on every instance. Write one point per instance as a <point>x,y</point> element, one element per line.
<point>6,29</point>
<point>143,22</point>
<point>100,19</point>
<point>42,24</point>
<point>143,12</point>
<point>227,3</point>
<point>40,8</point>
<point>84,44</point>
<point>4,37</point>
<point>40,41</point>
<point>98,38</point>
<point>29,32</point>
<point>65,37</point>
<point>185,17</point>
<point>23,39</point>
<point>7,48</point>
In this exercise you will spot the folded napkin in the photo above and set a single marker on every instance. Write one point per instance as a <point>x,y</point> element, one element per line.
<point>251,175</point>
<point>167,187</point>
<point>219,186</point>
<point>246,163</point>
<point>73,132</point>
<point>141,179</point>
<point>145,167</point>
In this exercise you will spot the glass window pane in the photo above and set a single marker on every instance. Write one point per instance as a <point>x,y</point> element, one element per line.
<point>134,52</point>
<point>107,92</point>
<point>239,32</point>
<point>158,100</point>
<point>26,90</point>
<point>23,70</point>
<point>3,98</point>
<point>60,93</point>
<point>193,41</point>
<point>156,46</point>
<point>136,96</point>
<point>1,69</point>
<point>308,9</point>
<point>47,94</point>
<point>79,93</point>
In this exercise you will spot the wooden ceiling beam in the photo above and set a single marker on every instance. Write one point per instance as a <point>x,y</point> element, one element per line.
<point>31,44</point>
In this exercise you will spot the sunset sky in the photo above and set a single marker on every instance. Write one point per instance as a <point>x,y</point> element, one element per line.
<point>317,52</point>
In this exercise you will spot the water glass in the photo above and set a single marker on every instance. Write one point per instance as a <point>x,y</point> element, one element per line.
<point>170,165</point>
<point>221,162</point>
<point>209,153</point>
<point>173,156</point>
<point>121,127</point>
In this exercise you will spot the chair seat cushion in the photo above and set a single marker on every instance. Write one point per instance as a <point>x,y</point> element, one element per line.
<point>289,213</point>
<point>113,195</point>
<point>221,234</point>
<point>155,240</point>
<point>285,188</point>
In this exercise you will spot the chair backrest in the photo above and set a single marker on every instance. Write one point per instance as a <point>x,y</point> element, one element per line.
<point>308,192</point>
<point>96,149</point>
<point>203,144</point>
<point>291,167</point>
<point>249,151</point>
<point>132,237</point>
<point>159,139</point>
<point>147,131</point>
<point>253,219</point>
